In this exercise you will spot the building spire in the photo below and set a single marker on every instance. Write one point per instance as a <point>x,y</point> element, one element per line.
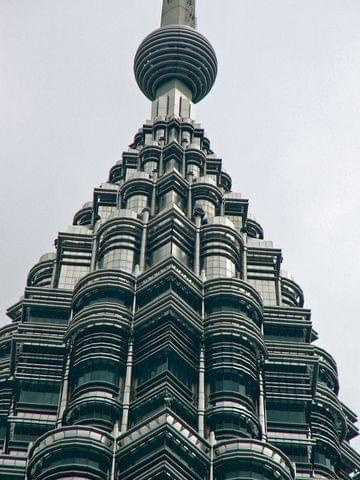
<point>175,66</point>
<point>178,12</point>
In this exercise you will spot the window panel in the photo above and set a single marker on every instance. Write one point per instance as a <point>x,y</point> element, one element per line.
<point>121,259</point>
<point>207,206</point>
<point>137,203</point>
<point>171,199</point>
<point>172,164</point>
<point>39,393</point>
<point>267,290</point>
<point>150,166</point>
<point>217,266</point>
<point>194,169</point>
<point>97,371</point>
<point>105,210</point>
<point>167,250</point>
<point>286,413</point>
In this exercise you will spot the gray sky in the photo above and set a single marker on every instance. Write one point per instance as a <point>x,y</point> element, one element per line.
<point>284,115</point>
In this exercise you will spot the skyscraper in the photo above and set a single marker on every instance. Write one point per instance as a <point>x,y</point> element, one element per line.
<point>162,340</point>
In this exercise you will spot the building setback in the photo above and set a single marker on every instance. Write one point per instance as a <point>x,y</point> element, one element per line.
<point>162,340</point>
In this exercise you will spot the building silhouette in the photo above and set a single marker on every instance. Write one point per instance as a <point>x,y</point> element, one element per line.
<point>162,340</point>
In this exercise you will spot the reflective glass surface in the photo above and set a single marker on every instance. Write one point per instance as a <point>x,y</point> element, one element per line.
<point>236,220</point>
<point>71,274</point>
<point>25,432</point>
<point>162,363</point>
<point>323,459</point>
<point>284,412</point>
<point>167,250</point>
<point>229,381</point>
<point>267,290</point>
<point>97,370</point>
<point>194,169</point>
<point>105,210</point>
<point>207,206</point>
<point>169,199</point>
<point>121,259</point>
<point>172,164</point>
<point>225,423</point>
<point>39,393</point>
<point>150,166</point>
<point>217,266</point>
<point>137,203</point>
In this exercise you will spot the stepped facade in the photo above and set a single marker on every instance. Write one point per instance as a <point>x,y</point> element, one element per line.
<point>162,340</point>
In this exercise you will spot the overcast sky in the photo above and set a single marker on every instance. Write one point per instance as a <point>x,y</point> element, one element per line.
<point>284,115</point>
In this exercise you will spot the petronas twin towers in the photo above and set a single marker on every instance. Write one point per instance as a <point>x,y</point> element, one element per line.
<point>162,340</point>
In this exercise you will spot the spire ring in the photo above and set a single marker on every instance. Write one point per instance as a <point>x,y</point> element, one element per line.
<point>175,52</point>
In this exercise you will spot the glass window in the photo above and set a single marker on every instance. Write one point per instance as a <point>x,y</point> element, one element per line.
<point>207,206</point>
<point>137,203</point>
<point>166,362</point>
<point>213,178</point>
<point>121,259</point>
<point>196,142</point>
<point>71,274</point>
<point>103,295</point>
<point>42,278</point>
<point>296,454</point>
<point>229,423</point>
<point>105,210</point>
<point>74,265</point>
<point>286,412</point>
<point>25,432</point>
<point>194,169</point>
<point>71,460</point>
<point>229,381</point>
<point>172,164</point>
<point>225,304</point>
<point>181,370</point>
<point>47,315</point>
<point>152,368</point>
<point>150,166</point>
<point>267,290</point>
<point>323,459</point>
<point>186,136</point>
<point>94,412</point>
<point>167,250</point>
<point>284,333</point>
<point>173,134</point>
<point>160,132</point>
<point>235,473</point>
<point>153,404</point>
<point>130,172</point>
<point>236,220</point>
<point>217,266</point>
<point>170,199</point>
<point>2,430</point>
<point>98,370</point>
<point>44,393</point>
<point>160,254</point>
<point>325,379</point>
<point>179,253</point>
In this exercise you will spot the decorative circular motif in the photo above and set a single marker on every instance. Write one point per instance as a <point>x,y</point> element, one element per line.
<point>175,52</point>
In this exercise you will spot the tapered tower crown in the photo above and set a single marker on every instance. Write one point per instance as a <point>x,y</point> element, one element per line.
<point>163,340</point>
